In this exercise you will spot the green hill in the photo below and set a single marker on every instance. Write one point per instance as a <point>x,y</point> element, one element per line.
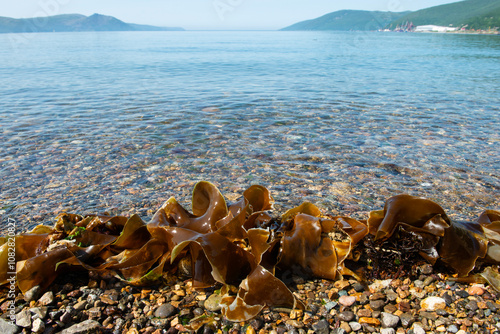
<point>477,14</point>
<point>348,20</point>
<point>41,24</point>
<point>72,22</point>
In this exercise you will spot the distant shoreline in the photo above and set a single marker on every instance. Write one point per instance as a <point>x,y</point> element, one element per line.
<point>468,32</point>
<point>239,30</point>
<point>74,23</point>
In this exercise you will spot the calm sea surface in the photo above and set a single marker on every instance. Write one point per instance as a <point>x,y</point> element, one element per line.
<point>120,121</point>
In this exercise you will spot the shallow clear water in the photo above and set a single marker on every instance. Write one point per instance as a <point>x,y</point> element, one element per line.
<point>120,121</point>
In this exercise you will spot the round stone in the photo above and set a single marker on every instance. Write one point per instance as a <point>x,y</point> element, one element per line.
<point>472,305</point>
<point>377,304</point>
<point>418,330</point>
<point>33,293</point>
<point>38,326</point>
<point>391,295</point>
<point>389,320</point>
<point>330,305</point>
<point>428,280</point>
<point>355,326</point>
<point>407,320</point>
<point>475,290</point>
<point>185,267</point>
<point>23,319</point>
<point>345,326</point>
<point>426,269</point>
<point>379,285</point>
<point>447,298</point>
<point>433,303</point>
<point>387,331</point>
<point>47,299</point>
<point>347,300</point>
<point>212,303</point>
<point>364,312</point>
<point>8,327</point>
<point>164,311</point>
<point>198,311</point>
<point>321,327</point>
<point>346,316</point>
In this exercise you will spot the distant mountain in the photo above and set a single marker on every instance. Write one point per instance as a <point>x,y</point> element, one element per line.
<point>476,14</point>
<point>349,20</point>
<point>73,22</point>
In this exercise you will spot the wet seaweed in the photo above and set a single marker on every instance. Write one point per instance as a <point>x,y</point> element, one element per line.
<point>241,246</point>
<point>391,259</point>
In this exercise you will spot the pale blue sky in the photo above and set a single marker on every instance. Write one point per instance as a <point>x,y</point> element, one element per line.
<point>207,14</point>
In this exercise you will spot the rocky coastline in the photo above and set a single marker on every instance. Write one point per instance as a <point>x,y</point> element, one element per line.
<point>429,304</point>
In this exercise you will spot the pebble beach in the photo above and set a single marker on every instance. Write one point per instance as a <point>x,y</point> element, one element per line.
<point>428,304</point>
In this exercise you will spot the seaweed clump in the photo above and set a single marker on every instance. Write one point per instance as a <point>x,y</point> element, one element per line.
<point>242,246</point>
<point>460,246</point>
<point>391,259</point>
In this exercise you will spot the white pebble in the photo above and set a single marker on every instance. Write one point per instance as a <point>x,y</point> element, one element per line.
<point>418,330</point>
<point>387,331</point>
<point>433,303</point>
<point>355,326</point>
<point>380,285</point>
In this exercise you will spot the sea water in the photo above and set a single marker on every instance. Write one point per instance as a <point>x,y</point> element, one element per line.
<point>117,122</point>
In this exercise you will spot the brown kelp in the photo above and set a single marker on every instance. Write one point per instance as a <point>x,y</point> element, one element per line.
<point>459,245</point>
<point>245,249</point>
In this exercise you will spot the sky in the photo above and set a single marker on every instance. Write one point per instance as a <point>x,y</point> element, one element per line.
<point>207,14</point>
